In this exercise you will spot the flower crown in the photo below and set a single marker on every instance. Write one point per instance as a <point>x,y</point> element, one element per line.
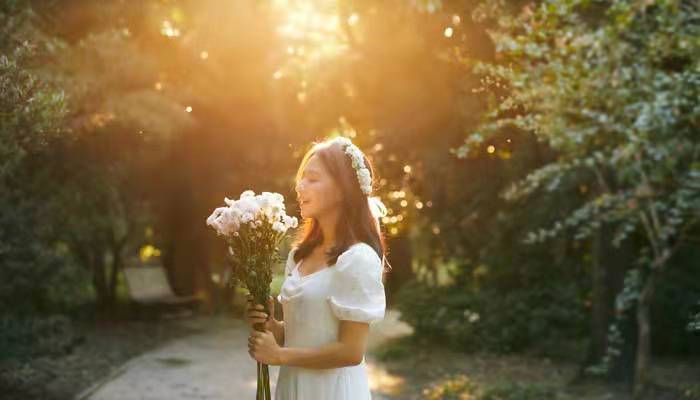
<point>376,206</point>
<point>358,163</point>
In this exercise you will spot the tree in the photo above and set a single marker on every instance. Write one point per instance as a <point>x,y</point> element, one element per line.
<point>31,120</point>
<point>617,98</point>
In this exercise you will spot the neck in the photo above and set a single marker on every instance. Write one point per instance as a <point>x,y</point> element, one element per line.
<point>327,225</point>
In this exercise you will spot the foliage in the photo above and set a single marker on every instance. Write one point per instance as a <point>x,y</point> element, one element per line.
<point>617,98</point>
<point>623,108</point>
<point>488,320</point>
<point>28,337</point>
<point>694,324</point>
<point>32,114</point>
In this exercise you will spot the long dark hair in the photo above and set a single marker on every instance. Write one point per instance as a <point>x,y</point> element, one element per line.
<point>356,222</point>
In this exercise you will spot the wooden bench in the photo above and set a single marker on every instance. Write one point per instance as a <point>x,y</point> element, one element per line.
<point>149,288</point>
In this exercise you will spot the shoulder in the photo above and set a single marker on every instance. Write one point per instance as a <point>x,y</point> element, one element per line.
<point>361,255</point>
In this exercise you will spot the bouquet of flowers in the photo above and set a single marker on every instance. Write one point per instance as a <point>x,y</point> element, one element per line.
<point>253,227</point>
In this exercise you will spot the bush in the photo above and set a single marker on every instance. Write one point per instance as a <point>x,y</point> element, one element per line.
<point>22,338</point>
<point>490,320</point>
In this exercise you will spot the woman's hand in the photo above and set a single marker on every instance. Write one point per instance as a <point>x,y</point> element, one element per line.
<point>255,314</point>
<point>263,347</point>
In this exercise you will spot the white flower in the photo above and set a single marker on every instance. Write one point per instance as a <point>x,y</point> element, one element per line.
<point>215,222</point>
<point>365,183</point>
<point>290,222</point>
<point>247,217</point>
<point>247,194</point>
<point>248,205</point>
<point>357,159</point>
<point>253,210</point>
<point>279,227</point>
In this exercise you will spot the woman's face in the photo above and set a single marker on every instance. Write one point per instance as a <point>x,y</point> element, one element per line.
<point>316,191</point>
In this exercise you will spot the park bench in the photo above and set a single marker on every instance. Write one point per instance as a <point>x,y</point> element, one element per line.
<point>149,289</point>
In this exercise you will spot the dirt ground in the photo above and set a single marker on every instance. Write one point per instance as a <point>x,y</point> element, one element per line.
<point>398,369</point>
<point>105,345</point>
<point>405,374</point>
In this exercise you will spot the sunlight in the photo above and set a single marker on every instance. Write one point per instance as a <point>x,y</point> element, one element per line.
<point>383,382</point>
<point>313,30</point>
<point>167,29</point>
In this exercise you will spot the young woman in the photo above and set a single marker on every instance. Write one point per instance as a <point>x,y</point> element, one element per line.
<point>333,286</point>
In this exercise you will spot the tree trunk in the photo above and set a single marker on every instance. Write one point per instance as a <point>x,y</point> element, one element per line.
<point>641,373</point>
<point>400,257</point>
<point>600,309</point>
<point>99,278</point>
<point>114,271</point>
<point>608,268</point>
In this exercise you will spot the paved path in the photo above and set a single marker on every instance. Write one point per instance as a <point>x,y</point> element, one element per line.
<point>213,365</point>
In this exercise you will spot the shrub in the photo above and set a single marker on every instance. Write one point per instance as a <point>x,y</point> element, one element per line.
<point>490,320</point>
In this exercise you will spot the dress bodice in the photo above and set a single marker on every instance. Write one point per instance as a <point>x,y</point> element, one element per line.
<point>313,306</point>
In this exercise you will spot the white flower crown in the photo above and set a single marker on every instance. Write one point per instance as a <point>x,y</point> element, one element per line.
<point>376,206</point>
<point>358,163</point>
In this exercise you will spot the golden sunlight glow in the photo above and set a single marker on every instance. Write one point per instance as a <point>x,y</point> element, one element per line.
<point>456,19</point>
<point>188,109</point>
<point>448,31</point>
<point>204,55</point>
<point>167,29</point>
<point>381,381</point>
<point>313,30</point>
<point>148,251</point>
<point>491,149</point>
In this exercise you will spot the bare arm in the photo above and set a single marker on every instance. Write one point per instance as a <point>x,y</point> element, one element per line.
<point>347,351</point>
<point>278,331</point>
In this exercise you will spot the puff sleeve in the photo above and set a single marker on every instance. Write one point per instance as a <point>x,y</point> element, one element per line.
<point>356,289</point>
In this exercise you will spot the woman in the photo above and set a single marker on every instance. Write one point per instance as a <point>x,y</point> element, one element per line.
<point>333,286</point>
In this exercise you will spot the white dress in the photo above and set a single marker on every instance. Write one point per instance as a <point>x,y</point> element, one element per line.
<point>313,305</point>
